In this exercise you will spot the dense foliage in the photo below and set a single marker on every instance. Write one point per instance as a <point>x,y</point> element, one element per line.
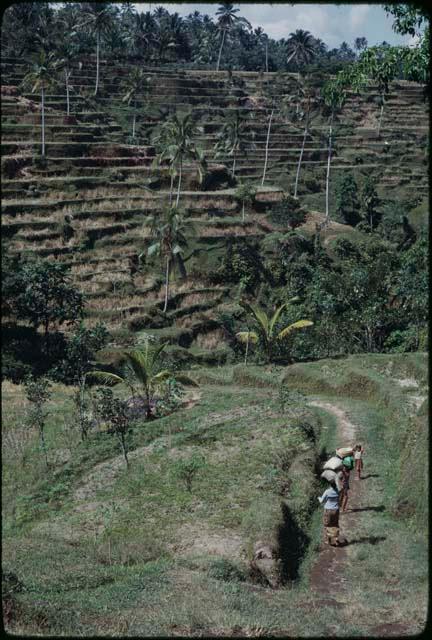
<point>118,30</point>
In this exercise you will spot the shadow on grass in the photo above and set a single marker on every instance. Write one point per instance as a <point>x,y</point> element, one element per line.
<point>293,543</point>
<point>368,539</point>
<point>378,509</point>
<point>371,475</point>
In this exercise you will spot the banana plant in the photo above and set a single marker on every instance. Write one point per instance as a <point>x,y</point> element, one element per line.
<point>267,332</point>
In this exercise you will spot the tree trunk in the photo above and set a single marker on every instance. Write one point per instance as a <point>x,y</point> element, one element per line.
<point>166,284</point>
<point>267,146</point>
<point>123,444</point>
<point>220,50</point>
<point>43,120</point>
<point>133,125</point>
<point>247,348</point>
<point>234,164</point>
<point>148,407</point>
<point>266,56</point>
<point>171,189</point>
<point>328,170</point>
<point>179,185</point>
<point>67,93</point>
<point>301,155</point>
<point>381,115</point>
<point>42,442</point>
<point>97,61</point>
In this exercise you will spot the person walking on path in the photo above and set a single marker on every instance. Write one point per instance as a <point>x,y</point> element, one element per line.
<point>330,500</point>
<point>344,494</point>
<point>358,458</point>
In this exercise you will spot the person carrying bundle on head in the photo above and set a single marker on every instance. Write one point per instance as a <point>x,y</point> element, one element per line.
<point>347,465</point>
<point>330,500</point>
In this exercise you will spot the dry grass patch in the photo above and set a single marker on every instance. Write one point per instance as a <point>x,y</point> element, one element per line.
<point>210,340</point>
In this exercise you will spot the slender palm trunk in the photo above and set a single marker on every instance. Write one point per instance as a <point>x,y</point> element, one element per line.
<point>179,185</point>
<point>381,115</point>
<point>234,164</point>
<point>166,283</point>
<point>301,155</point>
<point>133,125</point>
<point>220,50</point>
<point>266,57</point>
<point>267,147</point>
<point>171,188</point>
<point>67,92</point>
<point>247,348</point>
<point>328,169</point>
<point>43,119</point>
<point>97,61</point>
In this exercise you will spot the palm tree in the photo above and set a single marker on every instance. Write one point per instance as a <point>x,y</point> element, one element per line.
<point>143,33</point>
<point>143,373</point>
<point>168,233</point>
<point>309,94</point>
<point>246,337</point>
<point>226,20</point>
<point>262,39</point>
<point>99,20</point>
<point>266,327</point>
<point>40,77</point>
<point>68,51</point>
<point>234,137</point>
<point>245,193</point>
<point>135,83</point>
<point>334,95</point>
<point>380,64</point>
<point>301,47</point>
<point>176,136</point>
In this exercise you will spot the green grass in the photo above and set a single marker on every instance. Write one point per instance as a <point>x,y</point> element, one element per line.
<point>142,555</point>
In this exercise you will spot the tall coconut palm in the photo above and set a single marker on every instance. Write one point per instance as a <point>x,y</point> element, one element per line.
<point>301,47</point>
<point>234,137</point>
<point>310,98</point>
<point>168,234</point>
<point>98,20</point>
<point>68,52</point>
<point>143,373</point>
<point>226,20</point>
<point>267,330</point>
<point>334,95</point>
<point>40,77</point>
<point>137,82</point>
<point>176,137</point>
<point>380,64</point>
<point>143,34</point>
<point>262,40</point>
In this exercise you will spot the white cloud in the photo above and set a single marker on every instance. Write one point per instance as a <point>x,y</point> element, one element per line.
<point>358,16</point>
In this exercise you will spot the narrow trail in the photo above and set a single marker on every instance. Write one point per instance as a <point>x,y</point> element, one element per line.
<point>330,583</point>
<point>330,566</point>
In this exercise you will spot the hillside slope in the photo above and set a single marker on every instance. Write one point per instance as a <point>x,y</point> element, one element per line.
<point>108,187</point>
<point>101,549</point>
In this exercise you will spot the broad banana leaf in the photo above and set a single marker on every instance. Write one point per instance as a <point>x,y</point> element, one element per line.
<point>300,324</point>
<point>275,318</point>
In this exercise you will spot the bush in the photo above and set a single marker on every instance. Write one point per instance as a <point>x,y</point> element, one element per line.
<point>223,569</point>
<point>288,212</point>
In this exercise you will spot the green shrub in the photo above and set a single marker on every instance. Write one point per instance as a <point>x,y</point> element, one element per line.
<point>223,569</point>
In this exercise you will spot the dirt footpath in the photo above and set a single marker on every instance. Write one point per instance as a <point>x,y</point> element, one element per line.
<point>332,566</point>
